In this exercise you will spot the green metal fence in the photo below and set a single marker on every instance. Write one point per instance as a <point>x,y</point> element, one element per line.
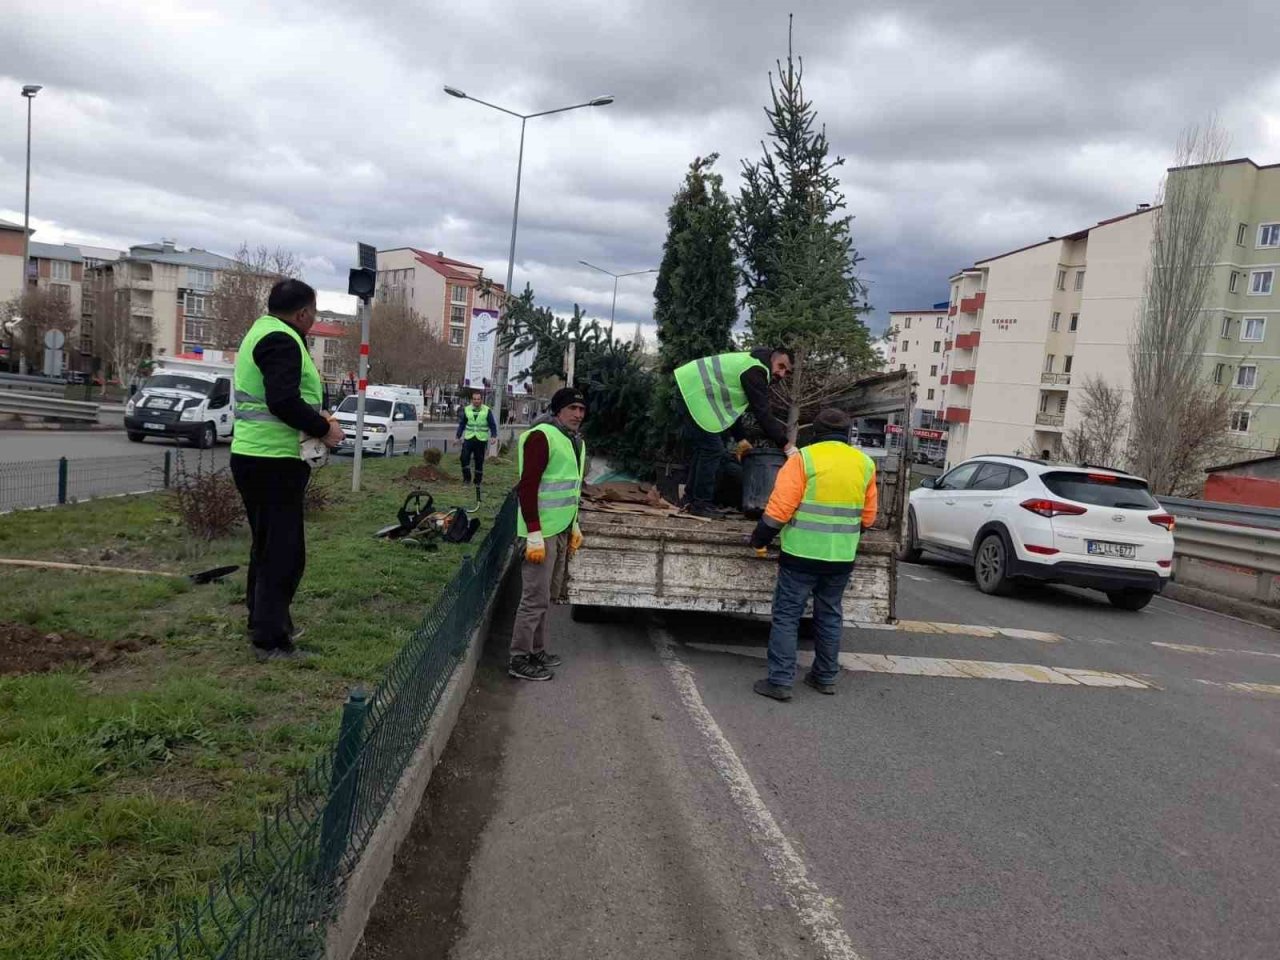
<point>276,896</point>
<point>47,483</point>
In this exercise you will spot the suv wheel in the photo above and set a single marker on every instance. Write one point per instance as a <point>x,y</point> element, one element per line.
<point>909,551</point>
<point>1130,599</point>
<point>990,566</point>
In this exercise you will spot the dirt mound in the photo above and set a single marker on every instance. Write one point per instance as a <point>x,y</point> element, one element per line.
<point>426,473</point>
<point>24,649</point>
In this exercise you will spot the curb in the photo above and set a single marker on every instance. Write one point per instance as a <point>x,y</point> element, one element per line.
<point>73,427</point>
<point>1220,603</point>
<point>370,874</point>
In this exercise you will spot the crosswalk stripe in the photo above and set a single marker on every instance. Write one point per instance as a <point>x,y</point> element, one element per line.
<point>974,630</point>
<point>1271,689</point>
<point>1210,651</point>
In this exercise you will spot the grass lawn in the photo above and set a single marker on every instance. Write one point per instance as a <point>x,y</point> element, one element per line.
<point>124,787</point>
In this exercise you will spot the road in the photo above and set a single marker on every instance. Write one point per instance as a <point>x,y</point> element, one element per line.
<point>646,804</point>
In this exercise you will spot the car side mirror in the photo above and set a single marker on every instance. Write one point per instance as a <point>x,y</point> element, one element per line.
<point>929,483</point>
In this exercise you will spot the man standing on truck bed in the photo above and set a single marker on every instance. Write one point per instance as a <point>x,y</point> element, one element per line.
<point>822,501</point>
<point>551,460</point>
<point>278,394</point>
<point>475,427</point>
<point>717,391</point>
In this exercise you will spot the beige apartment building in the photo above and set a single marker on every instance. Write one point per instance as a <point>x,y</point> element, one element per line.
<point>1033,324</point>
<point>441,290</point>
<point>919,341</point>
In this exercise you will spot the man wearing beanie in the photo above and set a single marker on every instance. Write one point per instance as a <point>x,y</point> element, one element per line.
<point>822,500</point>
<point>551,460</point>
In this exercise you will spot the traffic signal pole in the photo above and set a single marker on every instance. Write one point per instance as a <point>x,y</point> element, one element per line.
<point>361,284</point>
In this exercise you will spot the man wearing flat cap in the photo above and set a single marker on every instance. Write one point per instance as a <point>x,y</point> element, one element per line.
<point>551,462</point>
<point>821,503</point>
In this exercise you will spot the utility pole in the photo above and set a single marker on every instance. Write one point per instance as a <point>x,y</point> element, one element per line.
<point>29,91</point>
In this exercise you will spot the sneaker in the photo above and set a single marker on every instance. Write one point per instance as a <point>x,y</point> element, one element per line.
<point>264,654</point>
<point>544,659</point>
<point>296,634</point>
<point>767,689</point>
<point>705,510</point>
<point>524,668</point>
<point>811,681</point>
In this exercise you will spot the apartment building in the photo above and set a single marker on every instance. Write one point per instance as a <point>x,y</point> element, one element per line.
<point>10,260</point>
<point>58,269</point>
<point>919,341</point>
<point>331,356</point>
<point>441,290</point>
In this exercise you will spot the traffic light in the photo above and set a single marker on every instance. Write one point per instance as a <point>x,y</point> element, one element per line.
<point>360,282</point>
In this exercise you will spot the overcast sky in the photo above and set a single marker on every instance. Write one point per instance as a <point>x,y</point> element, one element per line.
<point>969,127</point>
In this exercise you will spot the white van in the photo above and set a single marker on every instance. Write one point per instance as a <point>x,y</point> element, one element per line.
<point>186,399</point>
<point>390,420</point>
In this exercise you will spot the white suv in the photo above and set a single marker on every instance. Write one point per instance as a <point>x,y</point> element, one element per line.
<point>1015,519</point>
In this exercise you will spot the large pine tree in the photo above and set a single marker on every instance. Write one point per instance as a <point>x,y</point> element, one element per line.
<point>796,249</point>
<point>695,300</point>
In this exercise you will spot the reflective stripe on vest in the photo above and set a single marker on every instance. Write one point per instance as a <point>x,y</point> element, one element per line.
<point>712,389</point>
<point>561,485</point>
<point>828,523</point>
<point>259,433</point>
<point>478,425</point>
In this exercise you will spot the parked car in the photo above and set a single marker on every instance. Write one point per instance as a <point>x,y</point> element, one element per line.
<point>390,420</point>
<point>1017,519</point>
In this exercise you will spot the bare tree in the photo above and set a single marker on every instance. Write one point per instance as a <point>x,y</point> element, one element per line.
<point>117,338</point>
<point>403,349</point>
<point>240,293</point>
<point>1100,436</point>
<point>41,310</point>
<point>1173,403</point>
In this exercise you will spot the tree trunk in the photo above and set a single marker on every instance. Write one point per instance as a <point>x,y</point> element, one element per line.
<point>793,411</point>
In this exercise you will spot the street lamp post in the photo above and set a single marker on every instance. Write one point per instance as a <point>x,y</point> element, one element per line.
<point>616,278</point>
<point>29,91</point>
<point>500,373</point>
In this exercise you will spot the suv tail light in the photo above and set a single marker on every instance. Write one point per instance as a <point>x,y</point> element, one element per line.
<point>1052,508</point>
<point>1162,520</point>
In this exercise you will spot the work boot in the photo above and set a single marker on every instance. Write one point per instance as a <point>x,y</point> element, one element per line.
<point>704,510</point>
<point>828,688</point>
<point>524,668</point>
<point>545,659</point>
<point>772,691</point>
<point>466,476</point>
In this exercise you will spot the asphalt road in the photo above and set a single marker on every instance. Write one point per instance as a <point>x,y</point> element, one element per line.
<point>647,804</point>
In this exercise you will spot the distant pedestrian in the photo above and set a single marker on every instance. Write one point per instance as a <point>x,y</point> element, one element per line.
<point>475,427</point>
<point>551,462</point>
<point>822,501</point>
<point>278,397</point>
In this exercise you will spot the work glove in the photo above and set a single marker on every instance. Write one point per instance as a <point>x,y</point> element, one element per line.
<point>744,447</point>
<point>575,538</point>
<point>762,552</point>
<point>535,550</point>
<point>790,450</point>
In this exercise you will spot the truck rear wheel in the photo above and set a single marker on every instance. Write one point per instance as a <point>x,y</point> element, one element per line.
<point>586,613</point>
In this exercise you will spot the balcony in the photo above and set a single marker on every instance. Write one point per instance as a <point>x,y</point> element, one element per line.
<point>967,341</point>
<point>956,415</point>
<point>952,311</point>
<point>947,345</point>
<point>1050,420</point>
<point>963,378</point>
<point>1056,379</point>
<point>140,310</point>
<point>945,379</point>
<point>973,304</point>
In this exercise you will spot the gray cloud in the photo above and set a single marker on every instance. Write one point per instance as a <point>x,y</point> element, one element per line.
<point>968,127</point>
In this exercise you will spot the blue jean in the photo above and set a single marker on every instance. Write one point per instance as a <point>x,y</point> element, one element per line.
<point>789,598</point>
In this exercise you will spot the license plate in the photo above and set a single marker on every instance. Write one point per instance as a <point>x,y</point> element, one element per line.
<point>154,426</point>
<point>1121,551</point>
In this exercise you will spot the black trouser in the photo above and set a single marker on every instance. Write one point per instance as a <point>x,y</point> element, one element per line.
<point>473,451</point>
<point>273,490</point>
<point>706,454</point>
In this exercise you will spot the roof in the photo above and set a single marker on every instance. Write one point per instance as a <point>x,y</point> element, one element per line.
<point>54,251</point>
<point>448,268</point>
<point>195,257</point>
<point>1243,463</point>
<point>10,225</point>
<point>943,309</point>
<point>1078,235</point>
<point>1227,163</point>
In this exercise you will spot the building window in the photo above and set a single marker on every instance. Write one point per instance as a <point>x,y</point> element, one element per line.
<point>930,394</point>
<point>1247,376</point>
<point>1079,279</point>
<point>906,324</point>
<point>1226,328</point>
<point>1062,279</point>
<point>1253,329</point>
<point>195,305</point>
<point>59,270</point>
<point>905,345</point>
<point>1261,283</point>
<point>1233,285</point>
<point>1075,321</point>
<point>459,294</point>
<point>1269,235</point>
<point>331,367</point>
<point>199,279</point>
<point>455,336</point>
<point>1056,321</point>
<point>196,331</point>
<point>937,346</point>
<point>939,323</point>
<point>1219,370</point>
<point>60,291</point>
<point>1240,420</point>
<point>1242,231</point>
<point>1048,363</point>
<point>933,370</point>
<point>1044,403</point>
<point>1062,405</point>
<point>330,345</point>
<point>458,316</point>
<point>1066,363</point>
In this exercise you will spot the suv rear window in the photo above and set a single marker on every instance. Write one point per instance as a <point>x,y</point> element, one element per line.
<point>1101,490</point>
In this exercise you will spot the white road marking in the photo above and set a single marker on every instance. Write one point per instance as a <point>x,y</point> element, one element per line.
<point>1210,651</point>
<point>1271,689</point>
<point>975,630</point>
<point>956,669</point>
<point>816,911</point>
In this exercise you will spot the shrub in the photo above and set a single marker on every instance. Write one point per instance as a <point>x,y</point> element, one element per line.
<point>205,499</point>
<point>319,496</point>
<point>432,455</point>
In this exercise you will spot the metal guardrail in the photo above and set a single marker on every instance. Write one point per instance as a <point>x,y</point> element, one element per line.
<point>25,404</point>
<point>1050,419</point>
<point>1268,518</point>
<point>1061,379</point>
<point>1252,548</point>
<point>29,384</point>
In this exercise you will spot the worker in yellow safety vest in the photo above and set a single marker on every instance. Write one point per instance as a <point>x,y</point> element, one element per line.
<point>475,426</point>
<point>716,391</point>
<point>821,503</point>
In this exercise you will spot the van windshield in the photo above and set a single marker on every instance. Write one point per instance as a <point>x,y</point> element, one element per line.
<point>176,381</point>
<point>372,408</point>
